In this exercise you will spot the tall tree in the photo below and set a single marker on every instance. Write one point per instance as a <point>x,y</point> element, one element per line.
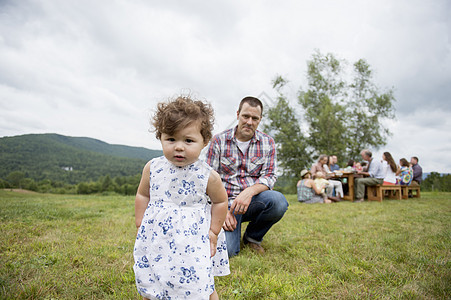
<point>324,113</point>
<point>342,109</point>
<point>283,125</point>
<point>344,117</point>
<point>366,109</point>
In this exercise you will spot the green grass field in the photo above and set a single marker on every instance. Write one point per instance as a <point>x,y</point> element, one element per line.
<point>80,247</point>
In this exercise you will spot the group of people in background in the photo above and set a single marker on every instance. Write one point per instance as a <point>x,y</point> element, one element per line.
<point>386,171</point>
<point>317,185</point>
<point>403,173</point>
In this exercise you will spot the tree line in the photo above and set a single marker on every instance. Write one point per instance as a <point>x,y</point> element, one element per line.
<point>127,185</point>
<point>70,160</point>
<point>437,182</point>
<point>124,185</point>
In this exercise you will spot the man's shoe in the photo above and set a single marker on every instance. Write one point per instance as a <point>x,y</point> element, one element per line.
<point>358,200</point>
<point>256,247</point>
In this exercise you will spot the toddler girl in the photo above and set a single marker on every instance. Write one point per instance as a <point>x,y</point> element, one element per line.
<point>321,184</point>
<point>180,207</point>
<point>404,172</point>
<point>358,167</point>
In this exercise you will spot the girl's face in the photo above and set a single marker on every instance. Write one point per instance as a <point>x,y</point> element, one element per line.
<point>184,146</point>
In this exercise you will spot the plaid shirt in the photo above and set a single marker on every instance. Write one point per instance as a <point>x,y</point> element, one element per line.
<point>239,171</point>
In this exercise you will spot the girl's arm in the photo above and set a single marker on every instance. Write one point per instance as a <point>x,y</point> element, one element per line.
<point>219,200</point>
<point>142,195</point>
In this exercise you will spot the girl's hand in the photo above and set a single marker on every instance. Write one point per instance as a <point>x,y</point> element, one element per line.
<point>213,242</point>
<point>230,222</point>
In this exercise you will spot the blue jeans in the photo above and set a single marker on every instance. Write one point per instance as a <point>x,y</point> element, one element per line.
<point>265,210</point>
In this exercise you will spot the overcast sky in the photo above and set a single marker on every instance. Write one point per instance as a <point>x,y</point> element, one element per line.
<point>98,68</point>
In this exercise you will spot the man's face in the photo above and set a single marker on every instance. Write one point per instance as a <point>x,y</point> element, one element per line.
<point>364,156</point>
<point>335,159</point>
<point>413,161</point>
<point>248,119</point>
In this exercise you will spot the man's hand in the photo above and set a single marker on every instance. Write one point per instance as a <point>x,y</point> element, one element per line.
<point>241,203</point>
<point>230,222</point>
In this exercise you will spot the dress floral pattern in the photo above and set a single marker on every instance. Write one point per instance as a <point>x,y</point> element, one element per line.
<point>172,247</point>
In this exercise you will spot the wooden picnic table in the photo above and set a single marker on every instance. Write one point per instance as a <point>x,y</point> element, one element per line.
<point>348,179</point>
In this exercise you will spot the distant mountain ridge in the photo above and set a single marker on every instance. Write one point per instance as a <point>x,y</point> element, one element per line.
<point>99,146</point>
<point>70,159</point>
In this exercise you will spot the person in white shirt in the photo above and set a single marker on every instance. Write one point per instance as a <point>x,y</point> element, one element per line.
<point>390,168</point>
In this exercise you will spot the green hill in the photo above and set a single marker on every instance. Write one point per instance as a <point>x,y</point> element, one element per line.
<point>69,159</point>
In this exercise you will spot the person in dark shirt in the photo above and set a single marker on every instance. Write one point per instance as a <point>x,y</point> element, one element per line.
<point>334,165</point>
<point>417,171</point>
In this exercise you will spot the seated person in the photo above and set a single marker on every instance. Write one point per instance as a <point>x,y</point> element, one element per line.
<point>322,165</point>
<point>417,171</point>
<point>321,183</point>
<point>308,192</point>
<point>374,176</point>
<point>328,166</point>
<point>390,168</point>
<point>361,166</point>
<point>404,173</point>
<point>307,189</point>
<point>334,164</point>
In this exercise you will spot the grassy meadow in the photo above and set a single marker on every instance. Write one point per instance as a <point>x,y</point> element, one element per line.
<point>80,247</point>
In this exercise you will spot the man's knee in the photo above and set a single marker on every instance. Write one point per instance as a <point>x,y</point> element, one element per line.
<point>278,202</point>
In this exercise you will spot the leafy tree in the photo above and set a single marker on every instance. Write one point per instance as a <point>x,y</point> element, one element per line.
<point>83,188</point>
<point>365,111</point>
<point>324,113</point>
<point>342,110</point>
<point>107,183</point>
<point>283,125</point>
<point>437,182</point>
<point>343,118</point>
<point>15,178</point>
<point>29,184</point>
<point>4,184</point>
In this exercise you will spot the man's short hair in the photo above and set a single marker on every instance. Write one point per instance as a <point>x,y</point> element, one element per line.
<point>252,101</point>
<point>367,152</point>
<point>416,158</point>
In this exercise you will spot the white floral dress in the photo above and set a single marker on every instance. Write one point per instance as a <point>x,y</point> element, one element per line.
<point>172,248</point>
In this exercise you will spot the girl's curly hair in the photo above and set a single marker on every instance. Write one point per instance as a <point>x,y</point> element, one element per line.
<point>181,112</point>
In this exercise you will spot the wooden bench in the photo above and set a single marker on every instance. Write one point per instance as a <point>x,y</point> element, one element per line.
<point>405,189</point>
<point>377,192</point>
